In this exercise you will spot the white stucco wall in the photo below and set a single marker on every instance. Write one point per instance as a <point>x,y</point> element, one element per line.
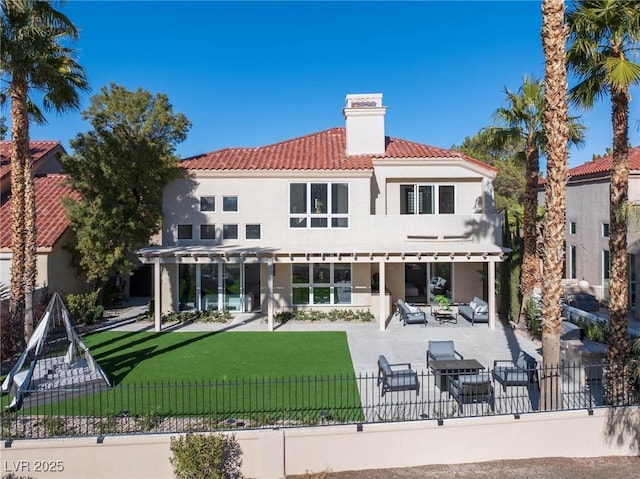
<point>275,453</point>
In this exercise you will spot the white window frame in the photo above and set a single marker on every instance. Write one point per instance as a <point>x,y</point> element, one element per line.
<point>572,257</point>
<point>606,230</point>
<point>309,215</point>
<point>224,210</point>
<point>436,197</point>
<point>224,237</point>
<point>213,201</point>
<point>573,228</point>
<point>331,284</point>
<point>190,238</point>
<point>259,231</point>
<point>202,228</point>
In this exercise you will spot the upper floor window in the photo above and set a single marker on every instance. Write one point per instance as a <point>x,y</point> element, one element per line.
<point>185,232</point>
<point>427,199</point>
<point>572,228</point>
<point>252,232</point>
<point>207,232</point>
<point>207,203</point>
<point>319,205</point>
<point>605,230</point>
<point>229,203</point>
<point>229,231</point>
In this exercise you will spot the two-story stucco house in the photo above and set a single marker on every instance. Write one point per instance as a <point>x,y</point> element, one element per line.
<point>343,218</point>
<point>54,261</point>
<point>587,230</point>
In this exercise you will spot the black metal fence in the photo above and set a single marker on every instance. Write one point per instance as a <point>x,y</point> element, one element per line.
<point>299,401</point>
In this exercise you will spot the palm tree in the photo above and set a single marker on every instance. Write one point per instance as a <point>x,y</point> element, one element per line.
<point>522,121</point>
<point>557,130</point>
<point>32,57</point>
<point>604,41</point>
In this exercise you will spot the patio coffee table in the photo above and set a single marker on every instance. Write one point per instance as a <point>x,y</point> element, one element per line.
<point>451,368</point>
<point>445,316</point>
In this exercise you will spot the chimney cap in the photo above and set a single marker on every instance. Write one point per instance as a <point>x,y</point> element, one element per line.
<point>364,100</point>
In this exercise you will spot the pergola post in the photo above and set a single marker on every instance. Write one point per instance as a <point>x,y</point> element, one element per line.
<point>383,306</point>
<point>270,299</point>
<point>492,293</point>
<point>157,296</point>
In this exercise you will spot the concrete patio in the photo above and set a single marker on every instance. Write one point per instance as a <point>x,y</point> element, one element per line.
<point>366,342</point>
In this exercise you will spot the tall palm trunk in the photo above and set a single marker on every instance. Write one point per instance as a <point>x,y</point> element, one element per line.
<point>557,131</point>
<point>20,153</point>
<point>618,379</point>
<point>530,262</point>
<point>30,247</point>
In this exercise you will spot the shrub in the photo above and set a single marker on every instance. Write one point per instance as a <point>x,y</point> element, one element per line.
<point>12,332</point>
<point>534,323</point>
<point>317,315</point>
<point>206,456</point>
<point>83,308</point>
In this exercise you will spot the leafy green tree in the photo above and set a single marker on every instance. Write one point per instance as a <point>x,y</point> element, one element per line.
<point>522,121</point>
<point>120,168</point>
<point>604,39</point>
<point>3,128</point>
<point>34,56</point>
<point>509,183</point>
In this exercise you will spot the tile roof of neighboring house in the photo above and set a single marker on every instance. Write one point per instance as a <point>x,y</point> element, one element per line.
<point>51,220</point>
<point>324,150</point>
<point>603,165</point>
<point>39,150</point>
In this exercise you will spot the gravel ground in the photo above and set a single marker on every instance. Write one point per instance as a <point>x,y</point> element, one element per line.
<point>545,468</point>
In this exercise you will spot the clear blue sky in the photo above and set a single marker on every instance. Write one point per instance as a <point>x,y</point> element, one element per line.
<point>255,73</point>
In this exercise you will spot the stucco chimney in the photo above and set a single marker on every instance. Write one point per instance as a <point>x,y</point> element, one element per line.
<point>364,117</point>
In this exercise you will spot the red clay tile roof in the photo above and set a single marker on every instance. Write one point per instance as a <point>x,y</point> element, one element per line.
<point>324,150</point>
<point>603,165</point>
<point>51,220</point>
<point>39,150</point>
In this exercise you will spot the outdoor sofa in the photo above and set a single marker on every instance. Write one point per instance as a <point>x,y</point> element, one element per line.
<point>583,301</point>
<point>396,377</point>
<point>409,313</point>
<point>477,311</point>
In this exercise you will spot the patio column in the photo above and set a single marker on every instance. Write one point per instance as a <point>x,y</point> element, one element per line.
<point>492,293</point>
<point>383,307</point>
<point>157,297</point>
<point>270,305</point>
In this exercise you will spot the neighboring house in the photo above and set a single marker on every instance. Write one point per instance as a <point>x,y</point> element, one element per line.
<point>54,262</point>
<point>587,229</point>
<point>45,156</point>
<point>322,221</point>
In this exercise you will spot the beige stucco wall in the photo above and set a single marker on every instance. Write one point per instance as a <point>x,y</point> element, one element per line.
<point>264,198</point>
<point>274,453</point>
<point>57,271</point>
<point>467,282</point>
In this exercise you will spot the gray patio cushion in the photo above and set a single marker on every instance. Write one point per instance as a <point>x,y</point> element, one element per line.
<point>441,350</point>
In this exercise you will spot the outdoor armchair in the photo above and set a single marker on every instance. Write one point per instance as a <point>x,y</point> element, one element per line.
<point>441,350</point>
<point>521,372</point>
<point>409,313</point>
<point>396,377</point>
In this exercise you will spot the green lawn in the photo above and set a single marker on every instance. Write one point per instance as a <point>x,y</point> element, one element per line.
<point>258,377</point>
<point>153,357</point>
